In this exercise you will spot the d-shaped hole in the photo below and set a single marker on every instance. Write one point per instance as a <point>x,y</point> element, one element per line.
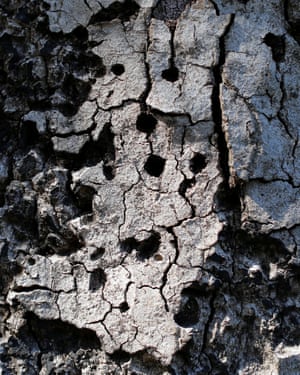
<point>155,165</point>
<point>170,74</point>
<point>97,254</point>
<point>124,307</point>
<point>198,163</point>
<point>277,44</point>
<point>188,314</point>
<point>97,279</point>
<point>118,69</point>
<point>146,123</point>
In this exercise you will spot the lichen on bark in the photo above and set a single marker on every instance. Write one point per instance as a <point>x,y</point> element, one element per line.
<point>149,187</point>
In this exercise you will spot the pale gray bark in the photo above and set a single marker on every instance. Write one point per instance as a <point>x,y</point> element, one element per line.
<point>149,187</point>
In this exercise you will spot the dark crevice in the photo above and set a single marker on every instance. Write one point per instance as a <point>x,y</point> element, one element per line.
<point>8,269</point>
<point>294,26</point>
<point>216,7</point>
<point>144,96</point>
<point>172,73</point>
<point>228,195</point>
<point>185,185</point>
<point>208,323</point>
<point>277,45</point>
<point>31,288</point>
<point>174,242</point>
<point>58,336</point>
<point>294,30</point>
<point>123,11</point>
<point>216,106</point>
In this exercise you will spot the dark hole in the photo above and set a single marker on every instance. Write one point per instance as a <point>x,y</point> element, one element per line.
<point>197,163</point>
<point>277,44</point>
<point>84,198</point>
<point>188,314</point>
<point>170,74</point>
<point>120,356</point>
<point>154,165</point>
<point>146,123</point>
<point>118,69</point>
<point>29,135</point>
<point>149,246</point>
<point>145,249</point>
<point>186,184</point>
<point>31,261</point>
<point>97,254</point>
<point>129,244</point>
<point>109,172</point>
<point>97,279</point>
<point>124,307</point>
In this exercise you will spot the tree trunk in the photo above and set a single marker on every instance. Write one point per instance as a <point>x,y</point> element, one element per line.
<point>149,187</point>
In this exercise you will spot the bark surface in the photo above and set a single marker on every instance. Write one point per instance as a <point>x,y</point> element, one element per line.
<point>149,187</point>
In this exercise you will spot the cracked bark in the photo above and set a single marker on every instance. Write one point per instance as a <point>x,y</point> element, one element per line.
<point>149,187</point>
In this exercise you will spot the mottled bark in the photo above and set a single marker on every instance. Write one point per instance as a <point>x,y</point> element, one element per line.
<point>149,187</point>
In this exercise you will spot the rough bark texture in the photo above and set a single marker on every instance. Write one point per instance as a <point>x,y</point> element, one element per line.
<point>149,187</point>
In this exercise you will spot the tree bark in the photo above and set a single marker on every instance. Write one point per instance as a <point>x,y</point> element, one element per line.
<point>149,187</point>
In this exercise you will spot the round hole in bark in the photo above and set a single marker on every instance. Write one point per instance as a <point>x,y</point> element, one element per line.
<point>98,253</point>
<point>188,314</point>
<point>118,69</point>
<point>170,74</point>
<point>155,165</point>
<point>146,123</point>
<point>158,257</point>
<point>124,307</point>
<point>197,163</point>
<point>31,261</point>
